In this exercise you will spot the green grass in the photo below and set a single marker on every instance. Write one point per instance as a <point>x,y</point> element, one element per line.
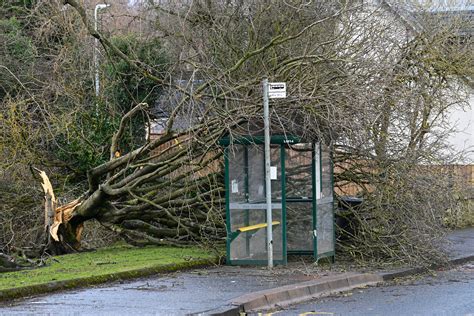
<point>105,262</point>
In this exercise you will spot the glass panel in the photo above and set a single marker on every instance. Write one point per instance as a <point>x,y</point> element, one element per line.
<point>326,172</point>
<point>237,174</point>
<point>325,208</point>
<point>256,171</point>
<point>247,203</point>
<point>299,227</point>
<point>298,171</point>
<point>325,228</point>
<point>252,245</point>
<point>299,213</point>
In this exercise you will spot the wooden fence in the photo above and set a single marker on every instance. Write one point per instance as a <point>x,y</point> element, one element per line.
<point>461,175</point>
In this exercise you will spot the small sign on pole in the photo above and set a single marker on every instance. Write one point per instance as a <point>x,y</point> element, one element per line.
<point>276,90</point>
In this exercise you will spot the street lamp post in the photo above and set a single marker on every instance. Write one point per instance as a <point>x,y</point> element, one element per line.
<point>96,47</point>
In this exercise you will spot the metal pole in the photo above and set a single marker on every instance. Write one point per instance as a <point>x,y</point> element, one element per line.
<point>268,183</point>
<point>96,60</point>
<point>96,47</point>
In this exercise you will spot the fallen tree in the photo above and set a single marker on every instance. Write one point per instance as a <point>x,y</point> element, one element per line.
<point>354,81</point>
<point>174,195</point>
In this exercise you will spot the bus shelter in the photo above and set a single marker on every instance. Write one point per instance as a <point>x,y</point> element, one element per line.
<point>302,199</point>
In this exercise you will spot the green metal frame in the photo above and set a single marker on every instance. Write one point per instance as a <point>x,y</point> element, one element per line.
<point>248,140</point>
<point>331,161</point>
<point>283,202</point>
<point>282,141</point>
<point>315,203</point>
<point>227,197</point>
<point>246,181</point>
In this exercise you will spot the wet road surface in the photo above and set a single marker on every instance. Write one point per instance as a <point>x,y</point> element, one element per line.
<point>173,294</point>
<point>447,293</point>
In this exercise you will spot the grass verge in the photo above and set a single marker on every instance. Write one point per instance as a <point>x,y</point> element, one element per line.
<point>107,264</point>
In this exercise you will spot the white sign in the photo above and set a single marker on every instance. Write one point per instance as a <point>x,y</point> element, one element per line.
<point>276,90</point>
<point>273,173</point>
<point>235,186</point>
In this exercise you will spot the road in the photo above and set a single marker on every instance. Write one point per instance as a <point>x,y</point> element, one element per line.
<point>446,293</point>
<point>173,294</point>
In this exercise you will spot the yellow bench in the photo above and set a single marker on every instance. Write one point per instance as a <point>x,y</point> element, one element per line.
<point>239,230</point>
<point>254,227</point>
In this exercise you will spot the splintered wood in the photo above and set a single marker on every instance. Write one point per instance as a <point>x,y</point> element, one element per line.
<point>56,215</point>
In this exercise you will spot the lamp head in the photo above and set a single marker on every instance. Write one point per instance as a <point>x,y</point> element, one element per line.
<point>102,6</point>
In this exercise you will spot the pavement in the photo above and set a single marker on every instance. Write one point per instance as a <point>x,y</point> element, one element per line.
<point>177,293</point>
<point>224,290</point>
<point>459,248</point>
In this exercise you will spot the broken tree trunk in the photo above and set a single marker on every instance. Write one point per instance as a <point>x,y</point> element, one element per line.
<point>61,236</point>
